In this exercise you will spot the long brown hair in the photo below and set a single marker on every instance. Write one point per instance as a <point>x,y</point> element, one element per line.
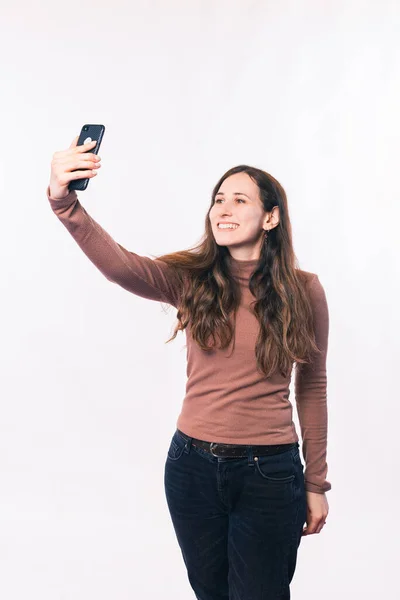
<point>210,295</point>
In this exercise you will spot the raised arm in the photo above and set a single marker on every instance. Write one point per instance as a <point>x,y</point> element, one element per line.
<point>311,397</point>
<point>143,276</point>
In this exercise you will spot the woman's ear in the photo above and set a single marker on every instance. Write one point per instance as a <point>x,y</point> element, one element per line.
<point>272,219</point>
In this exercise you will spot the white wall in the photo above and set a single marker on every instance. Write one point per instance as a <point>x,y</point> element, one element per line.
<point>90,393</point>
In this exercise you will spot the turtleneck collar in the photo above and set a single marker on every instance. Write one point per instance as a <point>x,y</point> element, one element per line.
<point>242,268</point>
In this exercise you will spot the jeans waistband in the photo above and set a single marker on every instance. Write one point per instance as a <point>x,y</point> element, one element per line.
<point>238,450</point>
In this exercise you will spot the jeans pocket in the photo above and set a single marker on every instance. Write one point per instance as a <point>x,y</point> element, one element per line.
<point>274,469</point>
<point>296,454</point>
<point>176,447</point>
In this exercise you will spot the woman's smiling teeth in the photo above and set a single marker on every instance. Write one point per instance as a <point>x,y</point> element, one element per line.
<point>227,226</point>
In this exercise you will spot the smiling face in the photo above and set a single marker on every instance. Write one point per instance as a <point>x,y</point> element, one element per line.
<point>238,202</point>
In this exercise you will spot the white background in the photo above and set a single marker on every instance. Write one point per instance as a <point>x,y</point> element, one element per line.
<point>90,394</point>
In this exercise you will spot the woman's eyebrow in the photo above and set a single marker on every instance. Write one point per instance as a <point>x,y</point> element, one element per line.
<point>234,193</point>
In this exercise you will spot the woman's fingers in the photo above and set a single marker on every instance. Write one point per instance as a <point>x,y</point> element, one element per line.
<point>73,149</point>
<point>85,147</point>
<point>77,162</point>
<point>314,526</point>
<point>81,174</point>
<point>82,165</point>
<point>91,161</point>
<point>64,178</point>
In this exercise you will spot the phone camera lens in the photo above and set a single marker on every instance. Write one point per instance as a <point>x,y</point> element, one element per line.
<point>85,129</point>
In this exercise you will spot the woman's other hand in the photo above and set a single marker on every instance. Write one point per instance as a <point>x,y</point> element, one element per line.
<point>317,511</point>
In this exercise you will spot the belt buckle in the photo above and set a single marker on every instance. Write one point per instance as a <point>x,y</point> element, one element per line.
<point>211,448</point>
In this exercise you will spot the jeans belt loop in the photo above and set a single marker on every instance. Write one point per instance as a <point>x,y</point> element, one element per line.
<point>250,456</point>
<point>188,445</point>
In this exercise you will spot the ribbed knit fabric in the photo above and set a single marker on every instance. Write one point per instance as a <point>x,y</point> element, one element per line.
<point>227,399</point>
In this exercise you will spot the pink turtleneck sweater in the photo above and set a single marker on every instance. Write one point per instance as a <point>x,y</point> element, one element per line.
<point>227,399</point>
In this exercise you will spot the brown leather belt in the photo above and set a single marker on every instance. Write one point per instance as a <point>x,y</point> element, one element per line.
<point>238,450</point>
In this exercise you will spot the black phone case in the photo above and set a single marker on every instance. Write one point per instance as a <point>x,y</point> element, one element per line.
<point>95,132</point>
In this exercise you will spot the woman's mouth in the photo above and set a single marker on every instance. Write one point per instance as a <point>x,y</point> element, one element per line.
<point>227,226</point>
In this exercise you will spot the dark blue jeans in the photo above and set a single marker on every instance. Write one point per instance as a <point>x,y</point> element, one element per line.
<point>238,521</point>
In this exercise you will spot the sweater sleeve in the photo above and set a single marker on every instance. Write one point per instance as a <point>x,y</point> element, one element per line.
<point>146,277</point>
<point>311,397</point>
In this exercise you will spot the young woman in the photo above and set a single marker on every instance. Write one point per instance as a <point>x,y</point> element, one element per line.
<point>236,487</point>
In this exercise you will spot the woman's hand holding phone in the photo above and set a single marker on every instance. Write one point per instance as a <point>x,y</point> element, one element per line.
<point>65,162</point>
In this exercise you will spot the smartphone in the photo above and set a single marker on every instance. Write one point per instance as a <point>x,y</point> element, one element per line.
<point>88,133</point>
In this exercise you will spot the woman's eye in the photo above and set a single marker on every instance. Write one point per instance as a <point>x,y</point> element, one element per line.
<point>239,199</point>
